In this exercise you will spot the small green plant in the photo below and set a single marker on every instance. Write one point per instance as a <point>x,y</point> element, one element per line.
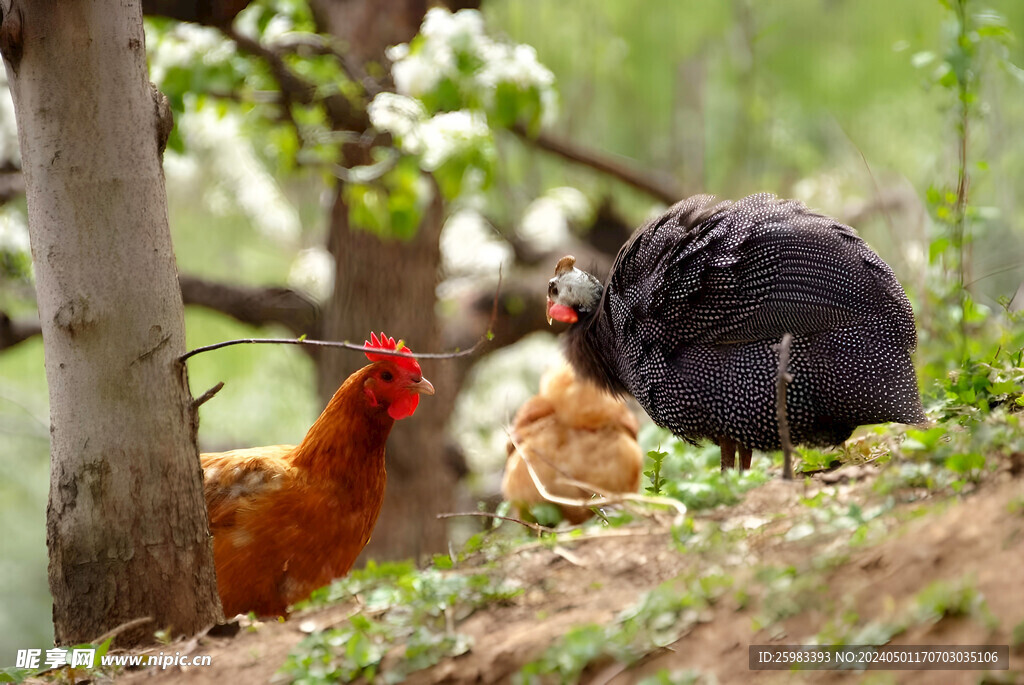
<point>1016,506</point>
<point>659,619</point>
<point>654,473</point>
<point>545,514</point>
<point>943,599</point>
<point>1017,635</point>
<point>786,593</point>
<point>818,460</point>
<point>400,606</point>
<point>848,629</point>
<point>692,474</point>
<point>14,674</point>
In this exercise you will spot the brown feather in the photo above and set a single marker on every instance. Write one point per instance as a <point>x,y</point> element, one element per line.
<point>289,519</point>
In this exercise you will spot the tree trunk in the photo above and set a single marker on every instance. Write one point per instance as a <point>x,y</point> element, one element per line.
<point>127,528</point>
<point>389,286</point>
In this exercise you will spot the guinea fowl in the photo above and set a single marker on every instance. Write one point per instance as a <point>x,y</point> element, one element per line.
<point>691,314</point>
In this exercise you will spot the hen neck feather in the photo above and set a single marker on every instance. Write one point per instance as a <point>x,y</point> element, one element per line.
<point>346,443</point>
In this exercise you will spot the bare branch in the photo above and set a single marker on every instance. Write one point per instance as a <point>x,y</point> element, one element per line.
<point>663,190</point>
<point>206,396</point>
<point>487,336</point>
<point>784,378</point>
<point>117,630</point>
<point>294,89</point>
<point>210,12</point>
<point>617,498</point>
<point>254,306</point>
<point>13,332</point>
<point>539,529</point>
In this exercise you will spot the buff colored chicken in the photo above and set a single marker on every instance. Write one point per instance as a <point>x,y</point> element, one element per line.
<point>571,430</point>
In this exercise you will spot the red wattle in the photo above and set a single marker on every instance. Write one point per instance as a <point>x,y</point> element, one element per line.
<point>560,312</point>
<point>404,406</point>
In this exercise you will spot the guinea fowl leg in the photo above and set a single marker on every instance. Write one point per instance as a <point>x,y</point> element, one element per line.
<point>728,447</point>
<point>745,455</point>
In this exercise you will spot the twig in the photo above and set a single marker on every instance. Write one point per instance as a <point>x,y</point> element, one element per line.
<point>879,202</point>
<point>332,343</point>
<point>117,630</point>
<point>196,403</point>
<point>562,552</point>
<point>488,334</point>
<point>486,514</point>
<point>323,45</point>
<point>597,534</point>
<point>783,379</point>
<point>617,498</point>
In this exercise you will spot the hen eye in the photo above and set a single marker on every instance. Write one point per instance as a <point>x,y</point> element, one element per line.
<point>386,376</point>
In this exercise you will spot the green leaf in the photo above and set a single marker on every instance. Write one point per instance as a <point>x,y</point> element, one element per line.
<point>546,514</point>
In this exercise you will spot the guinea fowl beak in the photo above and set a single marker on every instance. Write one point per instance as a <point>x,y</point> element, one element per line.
<point>422,386</point>
<point>547,311</point>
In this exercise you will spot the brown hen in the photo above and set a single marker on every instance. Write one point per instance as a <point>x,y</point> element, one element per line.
<point>287,519</point>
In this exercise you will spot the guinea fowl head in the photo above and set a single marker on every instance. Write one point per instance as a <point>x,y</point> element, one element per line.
<point>572,293</point>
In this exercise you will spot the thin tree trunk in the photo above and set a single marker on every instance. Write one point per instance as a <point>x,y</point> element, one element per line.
<point>389,286</point>
<point>126,522</point>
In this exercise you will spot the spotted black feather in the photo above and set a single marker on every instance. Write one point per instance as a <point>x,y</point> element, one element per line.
<point>690,316</point>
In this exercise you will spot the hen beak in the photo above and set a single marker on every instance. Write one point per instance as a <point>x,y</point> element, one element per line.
<point>422,386</point>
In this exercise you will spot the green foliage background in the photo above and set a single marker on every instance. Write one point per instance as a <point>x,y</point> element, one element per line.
<point>727,97</point>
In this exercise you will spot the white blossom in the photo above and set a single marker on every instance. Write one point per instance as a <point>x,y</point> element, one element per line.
<point>459,30</point>
<point>278,28</point>
<point>10,152</point>
<point>313,273</point>
<point>445,135</point>
<point>444,36</point>
<point>13,231</point>
<point>469,245</point>
<point>181,45</point>
<point>547,221</point>
<point>416,75</point>
<point>516,64</point>
<point>247,185</point>
<point>399,115</point>
<point>438,138</point>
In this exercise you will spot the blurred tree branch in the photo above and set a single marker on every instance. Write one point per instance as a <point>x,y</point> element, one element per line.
<point>344,116</point>
<point>12,183</point>
<point>662,189</point>
<point>256,306</point>
<point>14,331</point>
<point>210,12</point>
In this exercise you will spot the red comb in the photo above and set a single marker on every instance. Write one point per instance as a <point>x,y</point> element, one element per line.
<point>386,343</point>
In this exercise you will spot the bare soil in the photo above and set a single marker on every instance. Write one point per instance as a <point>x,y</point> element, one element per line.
<point>977,538</point>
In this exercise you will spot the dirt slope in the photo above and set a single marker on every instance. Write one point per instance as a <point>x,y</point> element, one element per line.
<point>795,569</point>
